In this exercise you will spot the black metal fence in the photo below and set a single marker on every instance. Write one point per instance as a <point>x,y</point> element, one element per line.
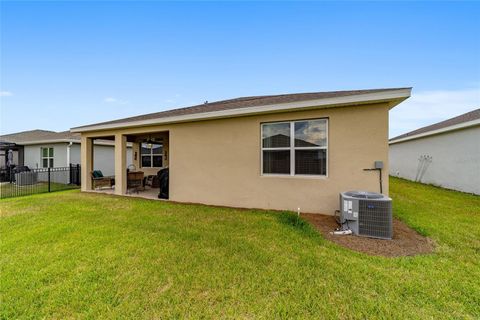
<point>31,181</point>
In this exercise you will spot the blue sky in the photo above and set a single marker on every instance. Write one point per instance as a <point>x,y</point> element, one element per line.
<point>65,64</point>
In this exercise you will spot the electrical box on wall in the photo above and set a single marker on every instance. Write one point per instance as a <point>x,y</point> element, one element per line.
<point>378,164</point>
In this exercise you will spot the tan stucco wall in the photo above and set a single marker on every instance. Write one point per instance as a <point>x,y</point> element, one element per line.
<point>218,161</point>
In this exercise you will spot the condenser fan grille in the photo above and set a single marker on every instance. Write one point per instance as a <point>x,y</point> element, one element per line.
<point>375,219</point>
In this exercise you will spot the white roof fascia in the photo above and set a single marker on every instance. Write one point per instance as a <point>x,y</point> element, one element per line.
<point>101,143</point>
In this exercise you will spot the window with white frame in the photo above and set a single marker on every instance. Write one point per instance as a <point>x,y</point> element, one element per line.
<point>152,155</point>
<point>295,148</point>
<point>47,157</point>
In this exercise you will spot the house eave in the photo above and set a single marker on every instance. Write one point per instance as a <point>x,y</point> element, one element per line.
<point>53,141</point>
<point>47,141</point>
<point>393,97</point>
<point>438,131</point>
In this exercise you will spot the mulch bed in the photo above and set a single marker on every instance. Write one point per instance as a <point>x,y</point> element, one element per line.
<point>405,242</point>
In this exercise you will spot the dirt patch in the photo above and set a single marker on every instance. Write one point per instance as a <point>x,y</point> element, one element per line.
<point>405,242</point>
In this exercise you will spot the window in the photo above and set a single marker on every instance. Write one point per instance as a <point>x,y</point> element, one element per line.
<point>295,148</point>
<point>152,155</point>
<point>47,157</point>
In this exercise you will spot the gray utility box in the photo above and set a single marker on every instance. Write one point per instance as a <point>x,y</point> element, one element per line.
<point>26,178</point>
<point>367,214</point>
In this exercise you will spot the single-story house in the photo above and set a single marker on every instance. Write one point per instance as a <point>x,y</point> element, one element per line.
<point>282,152</point>
<point>446,154</point>
<point>44,149</point>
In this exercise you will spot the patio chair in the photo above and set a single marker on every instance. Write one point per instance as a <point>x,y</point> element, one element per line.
<point>99,180</point>
<point>152,181</point>
<point>135,181</point>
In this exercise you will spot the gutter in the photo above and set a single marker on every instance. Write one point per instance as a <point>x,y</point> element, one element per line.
<point>68,152</point>
<point>26,143</point>
<point>69,141</point>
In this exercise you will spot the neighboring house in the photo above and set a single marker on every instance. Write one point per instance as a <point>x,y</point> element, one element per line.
<point>273,152</point>
<point>43,149</point>
<point>446,154</point>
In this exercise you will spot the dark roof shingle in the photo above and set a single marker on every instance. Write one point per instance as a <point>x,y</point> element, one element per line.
<point>466,117</point>
<point>38,135</point>
<point>243,102</point>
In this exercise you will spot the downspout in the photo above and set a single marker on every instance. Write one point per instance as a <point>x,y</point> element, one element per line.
<point>68,162</point>
<point>68,152</point>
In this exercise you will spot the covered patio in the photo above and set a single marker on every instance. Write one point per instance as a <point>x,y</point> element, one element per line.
<point>137,176</point>
<point>147,193</point>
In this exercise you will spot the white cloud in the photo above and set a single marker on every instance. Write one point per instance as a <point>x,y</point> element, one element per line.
<point>114,100</point>
<point>5,94</point>
<point>429,107</point>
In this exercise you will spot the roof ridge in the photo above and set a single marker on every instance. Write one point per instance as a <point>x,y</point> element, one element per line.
<point>27,131</point>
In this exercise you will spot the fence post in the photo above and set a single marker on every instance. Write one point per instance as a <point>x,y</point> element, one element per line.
<point>48,179</point>
<point>78,175</point>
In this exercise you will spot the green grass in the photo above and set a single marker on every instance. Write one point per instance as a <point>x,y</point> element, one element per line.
<point>74,255</point>
<point>10,190</point>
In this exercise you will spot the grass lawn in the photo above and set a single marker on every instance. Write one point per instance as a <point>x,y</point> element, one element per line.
<point>74,255</point>
<point>8,190</point>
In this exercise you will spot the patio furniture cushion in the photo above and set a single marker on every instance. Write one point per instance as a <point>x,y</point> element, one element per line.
<point>97,174</point>
<point>99,180</point>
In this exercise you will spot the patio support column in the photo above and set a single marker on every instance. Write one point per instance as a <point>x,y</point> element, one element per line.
<point>120,164</point>
<point>86,159</point>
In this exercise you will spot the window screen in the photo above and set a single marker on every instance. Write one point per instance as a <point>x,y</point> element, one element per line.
<point>276,161</point>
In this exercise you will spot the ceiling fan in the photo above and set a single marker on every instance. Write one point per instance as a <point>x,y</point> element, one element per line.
<point>150,141</point>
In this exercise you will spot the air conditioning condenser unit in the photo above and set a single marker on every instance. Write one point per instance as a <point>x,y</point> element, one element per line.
<point>367,214</point>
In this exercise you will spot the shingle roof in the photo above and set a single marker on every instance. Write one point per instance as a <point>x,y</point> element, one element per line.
<point>466,117</point>
<point>38,135</point>
<point>244,102</point>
